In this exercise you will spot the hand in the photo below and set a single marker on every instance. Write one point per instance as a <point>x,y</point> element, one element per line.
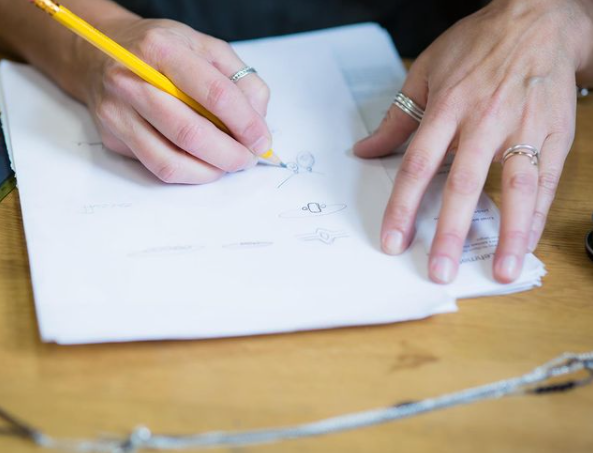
<point>168,137</point>
<point>501,77</point>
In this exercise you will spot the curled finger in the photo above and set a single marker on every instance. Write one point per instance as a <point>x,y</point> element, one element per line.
<point>155,152</point>
<point>186,129</point>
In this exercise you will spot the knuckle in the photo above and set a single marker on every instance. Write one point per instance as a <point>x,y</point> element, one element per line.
<point>116,79</point>
<point>548,182</point>
<point>253,129</point>
<point>539,218</point>
<point>168,171</point>
<point>516,237</point>
<point>154,43</point>
<point>261,93</point>
<point>218,46</point>
<point>416,165</point>
<point>447,105</point>
<point>107,113</point>
<point>219,94</point>
<point>399,216</point>
<point>565,128</point>
<point>449,238</point>
<point>523,182</point>
<point>463,181</point>
<point>189,136</point>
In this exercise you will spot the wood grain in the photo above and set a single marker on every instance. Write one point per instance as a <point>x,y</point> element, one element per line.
<point>183,387</point>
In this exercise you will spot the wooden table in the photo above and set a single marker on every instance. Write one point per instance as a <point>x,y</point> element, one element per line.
<point>186,387</point>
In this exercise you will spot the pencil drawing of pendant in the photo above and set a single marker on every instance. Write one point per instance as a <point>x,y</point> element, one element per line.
<point>313,209</point>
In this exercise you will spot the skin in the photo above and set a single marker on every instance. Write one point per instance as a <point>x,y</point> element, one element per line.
<point>503,76</point>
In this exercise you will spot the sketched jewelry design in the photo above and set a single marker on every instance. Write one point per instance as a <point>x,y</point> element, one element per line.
<point>408,106</point>
<point>522,150</point>
<point>323,235</point>
<point>313,209</point>
<point>304,164</point>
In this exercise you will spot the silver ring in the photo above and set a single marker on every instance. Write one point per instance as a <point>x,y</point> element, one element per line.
<point>522,150</point>
<point>408,106</point>
<point>242,73</point>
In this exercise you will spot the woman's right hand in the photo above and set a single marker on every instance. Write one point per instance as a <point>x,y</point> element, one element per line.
<point>173,141</point>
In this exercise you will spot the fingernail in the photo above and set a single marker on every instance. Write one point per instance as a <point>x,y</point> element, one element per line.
<point>532,241</point>
<point>261,145</point>
<point>442,269</point>
<point>393,242</point>
<point>508,267</point>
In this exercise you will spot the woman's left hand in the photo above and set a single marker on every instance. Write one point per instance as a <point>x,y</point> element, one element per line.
<point>501,77</point>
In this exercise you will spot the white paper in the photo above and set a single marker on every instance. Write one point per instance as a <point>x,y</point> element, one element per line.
<point>116,255</point>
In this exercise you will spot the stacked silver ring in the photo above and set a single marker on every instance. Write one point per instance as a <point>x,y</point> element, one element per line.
<point>242,73</point>
<point>408,106</point>
<point>522,150</point>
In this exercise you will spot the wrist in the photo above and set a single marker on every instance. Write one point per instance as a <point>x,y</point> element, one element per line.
<point>568,20</point>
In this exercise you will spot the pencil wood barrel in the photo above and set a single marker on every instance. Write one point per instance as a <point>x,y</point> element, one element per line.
<point>187,387</point>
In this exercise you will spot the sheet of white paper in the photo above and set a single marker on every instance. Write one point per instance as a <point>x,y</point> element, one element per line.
<point>117,255</point>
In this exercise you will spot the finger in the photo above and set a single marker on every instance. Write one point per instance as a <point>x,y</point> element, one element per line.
<point>519,192</point>
<point>420,163</point>
<point>224,58</point>
<point>168,163</point>
<point>462,192</point>
<point>554,152</point>
<point>111,142</point>
<point>184,127</point>
<point>397,126</point>
<point>219,95</point>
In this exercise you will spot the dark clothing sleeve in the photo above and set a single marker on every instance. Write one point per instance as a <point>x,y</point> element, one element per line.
<point>413,24</point>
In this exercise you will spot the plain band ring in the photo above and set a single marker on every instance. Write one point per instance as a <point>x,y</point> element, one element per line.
<point>242,73</point>
<point>408,106</point>
<point>522,150</point>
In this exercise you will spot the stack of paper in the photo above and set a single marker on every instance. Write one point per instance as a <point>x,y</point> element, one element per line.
<point>117,255</point>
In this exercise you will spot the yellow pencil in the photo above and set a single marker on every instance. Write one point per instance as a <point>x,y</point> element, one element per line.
<point>131,61</point>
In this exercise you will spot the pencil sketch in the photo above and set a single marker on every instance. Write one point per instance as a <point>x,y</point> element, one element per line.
<point>90,143</point>
<point>247,245</point>
<point>303,164</point>
<point>327,237</point>
<point>313,209</point>
<point>165,250</point>
<point>104,207</point>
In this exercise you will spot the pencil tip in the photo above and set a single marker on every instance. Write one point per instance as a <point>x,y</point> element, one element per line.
<point>275,160</point>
